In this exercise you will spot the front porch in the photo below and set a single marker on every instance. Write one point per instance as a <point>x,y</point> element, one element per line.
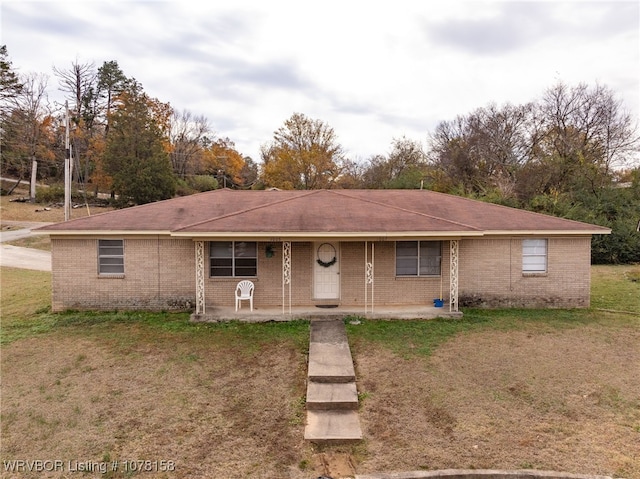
<point>346,271</point>
<point>222,313</point>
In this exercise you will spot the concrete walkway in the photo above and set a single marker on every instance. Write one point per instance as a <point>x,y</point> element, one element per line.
<point>332,396</point>
<point>19,257</point>
<point>24,258</point>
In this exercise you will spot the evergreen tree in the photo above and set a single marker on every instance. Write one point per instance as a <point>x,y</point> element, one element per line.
<point>136,156</point>
<point>10,85</point>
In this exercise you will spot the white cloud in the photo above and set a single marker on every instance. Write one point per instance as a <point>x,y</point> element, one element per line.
<point>373,72</point>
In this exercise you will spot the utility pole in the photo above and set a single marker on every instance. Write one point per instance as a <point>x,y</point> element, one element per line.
<point>67,166</point>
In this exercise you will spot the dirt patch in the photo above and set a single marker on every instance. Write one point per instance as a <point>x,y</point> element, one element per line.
<point>334,464</point>
<point>563,400</point>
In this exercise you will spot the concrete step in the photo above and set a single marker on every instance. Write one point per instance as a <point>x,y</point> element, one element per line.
<point>328,331</point>
<point>330,363</point>
<point>325,396</point>
<point>333,427</point>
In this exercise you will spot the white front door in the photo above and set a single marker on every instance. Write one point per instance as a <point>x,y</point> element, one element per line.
<point>326,271</point>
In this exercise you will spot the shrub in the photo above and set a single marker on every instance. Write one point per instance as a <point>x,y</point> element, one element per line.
<point>203,182</point>
<point>51,194</point>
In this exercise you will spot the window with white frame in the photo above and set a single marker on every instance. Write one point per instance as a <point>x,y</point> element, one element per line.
<point>534,256</point>
<point>110,256</point>
<point>418,258</point>
<point>233,258</point>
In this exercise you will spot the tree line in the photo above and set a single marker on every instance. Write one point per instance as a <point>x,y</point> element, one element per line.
<point>122,141</point>
<point>571,153</point>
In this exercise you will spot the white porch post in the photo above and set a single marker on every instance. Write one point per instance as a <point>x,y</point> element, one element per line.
<point>453,276</point>
<point>286,272</point>
<point>368,278</point>
<point>200,277</point>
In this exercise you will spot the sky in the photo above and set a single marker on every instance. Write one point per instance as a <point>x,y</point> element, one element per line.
<point>372,71</point>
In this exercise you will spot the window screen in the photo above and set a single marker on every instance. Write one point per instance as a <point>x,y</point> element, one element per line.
<point>110,256</point>
<point>418,258</point>
<point>233,258</point>
<point>534,256</point>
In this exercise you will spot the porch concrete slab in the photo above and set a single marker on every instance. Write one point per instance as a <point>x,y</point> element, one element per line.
<point>323,396</point>
<point>264,314</point>
<point>330,363</point>
<point>333,427</point>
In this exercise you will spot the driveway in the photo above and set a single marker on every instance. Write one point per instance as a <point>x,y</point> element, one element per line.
<point>18,257</point>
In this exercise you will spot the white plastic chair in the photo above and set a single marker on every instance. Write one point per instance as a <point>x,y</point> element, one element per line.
<point>244,290</point>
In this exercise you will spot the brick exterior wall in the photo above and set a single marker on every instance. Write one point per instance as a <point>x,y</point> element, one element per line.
<point>490,274</point>
<point>160,275</point>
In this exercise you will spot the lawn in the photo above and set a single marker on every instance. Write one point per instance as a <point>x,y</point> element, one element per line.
<point>505,389</point>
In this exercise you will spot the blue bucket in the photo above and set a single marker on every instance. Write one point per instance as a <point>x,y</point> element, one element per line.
<point>438,303</point>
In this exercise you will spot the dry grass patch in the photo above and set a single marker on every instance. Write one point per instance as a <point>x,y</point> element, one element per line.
<point>214,407</point>
<point>566,400</point>
<point>29,212</point>
<point>498,389</point>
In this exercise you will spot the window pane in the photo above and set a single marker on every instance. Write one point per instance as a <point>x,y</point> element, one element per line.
<point>538,246</point>
<point>110,243</point>
<point>430,248</point>
<point>231,259</point>
<point>244,249</point>
<point>115,260</point>
<point>407,266</point>
<point>110,256</point>
<point>221,262</point>
<point>430,265</point>
<point>430,252</point>
<point>244,262</point>
<point>110,251</point>
<point>534,255</point>
<point>246,267</point>
<point>249,271</point>
<point>221,249</point>
<point>407,248</point>
<point>534,264</point>
<point>219,271</point>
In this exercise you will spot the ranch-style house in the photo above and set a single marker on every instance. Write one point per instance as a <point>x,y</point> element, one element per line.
<point>357,249</point>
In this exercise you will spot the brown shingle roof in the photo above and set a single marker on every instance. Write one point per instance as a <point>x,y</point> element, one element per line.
<point>310,212</point>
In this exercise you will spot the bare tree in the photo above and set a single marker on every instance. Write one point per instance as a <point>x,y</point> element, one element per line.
<point>586,134</point>
<point>27,126</point>
<point>186,135</point>
<point>79,85</point>
<point>77,82</point>
<point>485,149</point>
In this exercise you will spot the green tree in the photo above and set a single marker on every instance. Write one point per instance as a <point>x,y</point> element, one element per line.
<point>10,84</point>
<point>304,155</point>
<point>405,167</point>
<point>111,82</point>
<point>136,155</point>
